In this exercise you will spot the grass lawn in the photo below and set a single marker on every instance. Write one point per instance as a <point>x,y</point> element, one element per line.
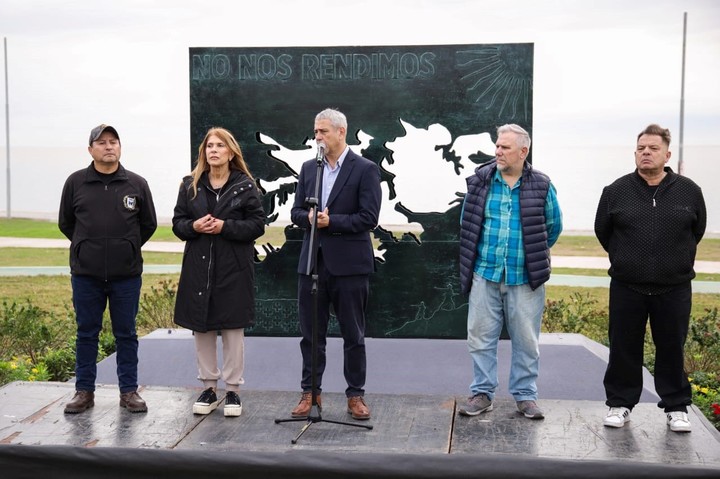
<point>59,257</point>
<point>708,250</point>
<point>54,294</point>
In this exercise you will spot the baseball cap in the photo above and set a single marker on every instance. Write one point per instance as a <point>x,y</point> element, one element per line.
<point>98,130</point>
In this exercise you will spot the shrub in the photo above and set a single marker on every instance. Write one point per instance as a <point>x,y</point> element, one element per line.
<point>22,369</point>
<point>157,307</point>
<point>706,396</point>
<point>28,331</point>
<point>106,342</point>
<point>702,349</point>
<point>60,363</point>
<point>577,315</point>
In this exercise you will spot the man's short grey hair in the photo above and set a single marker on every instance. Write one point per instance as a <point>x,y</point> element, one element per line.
<point>523,137</point>
<point>336,117</point>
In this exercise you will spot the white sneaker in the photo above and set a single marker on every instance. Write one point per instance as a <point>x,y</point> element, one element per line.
<point>617,417</point>
<point>678,421</point>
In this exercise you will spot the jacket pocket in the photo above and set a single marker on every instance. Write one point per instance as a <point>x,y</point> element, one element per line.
<point>122,258</point>
<point>89,258</point>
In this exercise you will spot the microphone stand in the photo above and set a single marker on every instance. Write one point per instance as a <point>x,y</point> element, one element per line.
<point>314,415</point>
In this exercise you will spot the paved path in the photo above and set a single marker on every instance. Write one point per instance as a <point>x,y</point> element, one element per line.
<point>156,246</point>
<point>584,262</point>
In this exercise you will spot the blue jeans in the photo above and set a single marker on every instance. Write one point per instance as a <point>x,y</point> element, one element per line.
<point>521,309</point>
<point>90,297</point>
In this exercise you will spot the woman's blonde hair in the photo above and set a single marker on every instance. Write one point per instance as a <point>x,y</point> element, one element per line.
<point>236,163</point>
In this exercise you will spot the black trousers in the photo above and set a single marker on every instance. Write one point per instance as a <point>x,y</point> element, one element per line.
<point>669,315</point>
<point>348,296</point>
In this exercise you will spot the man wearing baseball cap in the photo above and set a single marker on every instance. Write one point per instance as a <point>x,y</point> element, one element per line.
<point>107,213</point>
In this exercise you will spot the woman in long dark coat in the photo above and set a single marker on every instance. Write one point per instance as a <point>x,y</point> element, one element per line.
<point>219,216</point>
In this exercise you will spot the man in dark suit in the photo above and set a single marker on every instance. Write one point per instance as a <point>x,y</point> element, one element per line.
<point>348,209</point>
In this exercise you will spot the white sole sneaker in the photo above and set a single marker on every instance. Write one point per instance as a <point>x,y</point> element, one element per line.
<point>233,404</point>
<point>617,417</point>
<point>233,411</point>
<point>203,408</point>
<point>678,421</point>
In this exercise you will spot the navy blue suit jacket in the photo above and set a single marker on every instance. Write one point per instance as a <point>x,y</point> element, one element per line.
<point>353,206</point>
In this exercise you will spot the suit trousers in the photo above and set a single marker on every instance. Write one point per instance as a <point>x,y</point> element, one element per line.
<point>348,296</point>
<point>669,315</point>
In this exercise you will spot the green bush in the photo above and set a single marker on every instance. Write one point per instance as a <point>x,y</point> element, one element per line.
<point>577,315</point>
<point>106,342</point>
<point>702,357</point>
<point>706,396</point>
<point>157,308</point>
<point>702,349</point>
<point>60,363</point>
<point>38,346</point>
<point>28,331</point>
<point>22,369</point>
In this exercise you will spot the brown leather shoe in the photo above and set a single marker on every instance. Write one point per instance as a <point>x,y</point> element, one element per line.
<point>133,402</point>
<point>357,408</point>
<point>81,401</point>
<point>303,407</point>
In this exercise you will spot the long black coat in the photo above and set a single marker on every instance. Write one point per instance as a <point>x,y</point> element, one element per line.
<point>217,281</point>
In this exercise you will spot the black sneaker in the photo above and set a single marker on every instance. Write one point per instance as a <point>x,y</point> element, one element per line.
<point>206,403</point>
<point>233,404</point>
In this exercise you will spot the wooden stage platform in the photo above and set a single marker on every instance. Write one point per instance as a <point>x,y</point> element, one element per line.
<point>31,414</point>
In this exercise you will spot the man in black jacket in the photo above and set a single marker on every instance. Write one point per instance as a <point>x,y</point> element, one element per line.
<point>107,213</point>
<point>650,222</point>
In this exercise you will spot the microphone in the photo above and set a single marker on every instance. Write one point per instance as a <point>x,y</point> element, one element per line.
<point>320,152</point>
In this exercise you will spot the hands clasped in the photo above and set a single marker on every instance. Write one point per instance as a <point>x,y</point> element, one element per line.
<point>209,225</point>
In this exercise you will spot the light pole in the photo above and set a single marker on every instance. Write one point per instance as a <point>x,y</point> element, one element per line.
<point>682,100</point>
<point>7,132</point>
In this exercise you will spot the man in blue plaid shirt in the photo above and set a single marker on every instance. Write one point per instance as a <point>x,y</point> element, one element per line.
<point>510,219</point>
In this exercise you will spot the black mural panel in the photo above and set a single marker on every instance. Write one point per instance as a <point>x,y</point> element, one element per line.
<point>268,98</point>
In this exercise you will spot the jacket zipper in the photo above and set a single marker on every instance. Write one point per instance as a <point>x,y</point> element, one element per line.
<point>212,241</point>
<point>210,260</point>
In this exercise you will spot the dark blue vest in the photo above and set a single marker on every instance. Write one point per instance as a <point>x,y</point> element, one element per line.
<point>533,194</point>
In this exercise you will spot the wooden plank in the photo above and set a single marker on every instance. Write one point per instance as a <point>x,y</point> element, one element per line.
<point>403,424</point>
<point>574,430</point>
<point>107,424</point>
<point>24,401</point>
<point>32,414</point>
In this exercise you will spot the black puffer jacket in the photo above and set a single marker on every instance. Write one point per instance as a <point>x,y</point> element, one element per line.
<point>217,281</point>
<point>651,237</point>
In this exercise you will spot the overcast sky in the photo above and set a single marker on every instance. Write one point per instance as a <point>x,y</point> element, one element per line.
<point>603,69</point>
<point>599,66</point>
